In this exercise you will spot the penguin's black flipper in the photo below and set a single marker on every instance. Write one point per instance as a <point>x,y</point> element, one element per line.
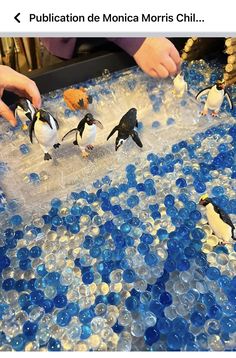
<point>229,99</point>
<point>31,128</point>
<point>112,132</point>
<point>71,131</point>
<point>202,93</point>
<point>136,124</point>
<point>136,138</point>
<point>225,217</point>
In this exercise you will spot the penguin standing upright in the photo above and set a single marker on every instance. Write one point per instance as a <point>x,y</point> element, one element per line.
<point>25,111</point>
<point>180,86</point>
<point>215,97</point>
<point>218,220</point>
<point>125,129</point>
<point>87,129</point>
<point>44,127</point>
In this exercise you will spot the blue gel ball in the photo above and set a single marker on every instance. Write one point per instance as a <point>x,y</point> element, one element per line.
<point>85,332</point>
<point>113,298</point>
<point>117,328</point>
<point>86,315</point>
<point>166,299</point>
<point>18,342</point>
<point>60,301</point>
<point>25,264</point>
<point>170,121</point>
<point>56,203</point>
<point>215,312</point>
<point>143,248</point>
<point>37,296</point>
<point>24,149</point>
<point>174,341</point>
<point>181,183</point>
<point>8,284</point>
<point>197,319</point>
<point>35,252</point>
<point>34,178</point>
<point>151,259</point>
<point>213,273</point>
<point>133,201</point>
<point>30,329</point>
<point>132,303</point>
<point>129,276</point>
<point>88,277</point>
<point>228,324</point>
<point>180,325</point>
<point>151,335</point>
<point>73,308</point>
<point>54,345</point>
<point>23,253</point>
<point>156,124</point>
<point>16,220</point>
<point>164,325</point>
<point>24,301</point>
<point>63,318</point>
<point>231,294</point>
<point>169,200</point>
<point>47,305</point>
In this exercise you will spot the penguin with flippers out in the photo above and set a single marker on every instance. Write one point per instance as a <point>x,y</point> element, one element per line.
<point>44,127</point>
<point>219,220</point>
<point>24,110</point>
<point>87,130</point>
<point>126,128</point>
<point>215,97</point>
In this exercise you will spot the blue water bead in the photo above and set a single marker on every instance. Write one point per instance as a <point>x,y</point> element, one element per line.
<point>181,183</point>
<point>54,345</point>
<point>183,265</point>
<point>24,149</point>
<point>156,124</point>
<point>53,279</point>
<point>106,180</point>
<point>180,325</point>
<point>166,299</point>
<point>57,220</point>
<point>143,248</point>
<point>73,308</point>
<point>74,228</point>
<point>170,121</point>
<point>117,328</point>
<point>25,264</point>
<point>19,235</point>
<point>21,285</point>
<point>197,234</point>
<point>169,200</point>
<point>30,330</point>
<point>197,318</point>
<point>35,252</point>
<point>133,201</point>
<point>195,215</point>
<point>18,342</point>
<point>129,276</point>
<point>151,335</point>
<point>151,259</point>
<point>24,301</point>
<point>164,325</point>
<point>125,228</point>
<point>170,265</point>
<point>86,315</point>
<point>213,273</point>
<point>231,294</point>
<point>60,301</point>
<point>162,234</point>
<point>147,238</point>
<point>75,211</point>
<point>16,220</point>
<point>8,284</point>
<point>47,305</point>
<point>56,203</point>
<point>41,270</point>
<point>114,298</point>
<point>37,296</point>
<point>88,277</point>
<point>228,324</point>
<point>34,178</point>
<point>85,332</point>
<point>199,186</point>
<point>116,209</point>
<point>215,311</point>
<point>9,233</point>
<point>132,303</point>
<point>63,318</point>
<point>174,341</point>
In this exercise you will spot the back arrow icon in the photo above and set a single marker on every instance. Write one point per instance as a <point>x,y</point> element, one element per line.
<point>16,17</point>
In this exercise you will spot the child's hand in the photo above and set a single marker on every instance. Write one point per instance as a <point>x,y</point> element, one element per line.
<point>158,57</point>
<point>20,85</point>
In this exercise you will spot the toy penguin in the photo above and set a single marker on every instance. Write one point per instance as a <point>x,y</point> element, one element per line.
<point>215,97</point>
<point>44,127</point>
<point>77,98</point>
<point>25,110</point>
<point>87,129</point>
<point>126,128</point>
<point>218,220</point>
<point>180,86</point>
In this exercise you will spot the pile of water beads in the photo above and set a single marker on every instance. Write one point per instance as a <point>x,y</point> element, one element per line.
<point>130,264</point>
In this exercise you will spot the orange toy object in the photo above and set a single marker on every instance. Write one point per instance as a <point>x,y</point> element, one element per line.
<point>77,98</point>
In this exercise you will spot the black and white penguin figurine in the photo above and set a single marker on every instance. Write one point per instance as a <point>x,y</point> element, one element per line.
<point>25,111</point>
<point>126,128</point>
<point>87,130</point>
<point>44,127</point>
<point>218,220</point>
<point>215,97</point>
<point>180,85</point>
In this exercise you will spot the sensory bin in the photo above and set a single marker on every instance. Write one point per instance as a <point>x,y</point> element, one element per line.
<point>112,253</point>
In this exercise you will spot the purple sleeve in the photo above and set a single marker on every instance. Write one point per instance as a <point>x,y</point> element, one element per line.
<point>62,47</point>
<point>129,44</point>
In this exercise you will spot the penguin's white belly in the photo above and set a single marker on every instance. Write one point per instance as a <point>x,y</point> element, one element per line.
<point>215,99</point>
<point>88,137</point>
<point>45,135</point>
<point>222,230</point>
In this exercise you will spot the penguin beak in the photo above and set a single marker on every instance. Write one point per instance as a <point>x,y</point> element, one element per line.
<point>97,123</point>
<point>202,202</point>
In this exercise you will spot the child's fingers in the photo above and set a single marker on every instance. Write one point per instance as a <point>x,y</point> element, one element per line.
<point>6,113</point>
<point>161,71</point>
<point>23,84</point>
<point>152,73</point>
<point>174,54</point>
<point>170,65</point>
